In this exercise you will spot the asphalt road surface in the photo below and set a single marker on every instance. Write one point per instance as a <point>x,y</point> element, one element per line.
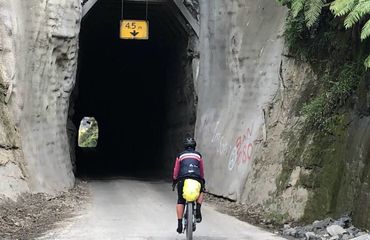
<point>145,210</point>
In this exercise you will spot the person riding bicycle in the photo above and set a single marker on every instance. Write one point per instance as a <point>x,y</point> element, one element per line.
<point>188,164</point>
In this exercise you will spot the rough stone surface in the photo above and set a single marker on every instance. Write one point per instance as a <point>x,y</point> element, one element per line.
<point>12,171</point>
<point>326,229</point>
<point>12,181</point>
<point>241,52</point>
<point>263,186</point>
<point>335,230</point>
<point>38,63</point>
<point>250,128</point>
<point>246,121</point>
<point>181,99</point>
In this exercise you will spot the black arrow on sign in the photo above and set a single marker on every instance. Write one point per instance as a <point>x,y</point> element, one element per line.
<point>134,33</point>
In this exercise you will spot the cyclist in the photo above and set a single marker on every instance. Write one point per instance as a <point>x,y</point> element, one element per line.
<point>188,164</point>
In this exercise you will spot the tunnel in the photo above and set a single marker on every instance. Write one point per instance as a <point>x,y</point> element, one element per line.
<point>141,92</point>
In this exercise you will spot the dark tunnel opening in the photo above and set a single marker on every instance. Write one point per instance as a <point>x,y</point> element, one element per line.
<point>140,91</point>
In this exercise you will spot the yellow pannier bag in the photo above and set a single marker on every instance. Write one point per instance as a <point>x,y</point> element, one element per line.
<point>191,190</point>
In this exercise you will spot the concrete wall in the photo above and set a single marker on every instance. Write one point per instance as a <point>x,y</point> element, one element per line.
<point>48,80</point>
<point>39,61</point>
<point>241,48</point>
<point>12,171</point>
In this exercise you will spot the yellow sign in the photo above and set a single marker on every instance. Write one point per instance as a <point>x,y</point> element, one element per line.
<point>134,29</point>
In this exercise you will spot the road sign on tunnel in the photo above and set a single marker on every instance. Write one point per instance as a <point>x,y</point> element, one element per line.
<point>134,29</point>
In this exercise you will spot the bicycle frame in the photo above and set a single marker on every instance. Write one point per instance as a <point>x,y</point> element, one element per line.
<point>189,217</point>
<point>190,206</point>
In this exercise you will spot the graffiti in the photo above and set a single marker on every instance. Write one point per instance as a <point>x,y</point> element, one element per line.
<point>223,147</point>
<point>244,147</point>
<point>232,159</point>
<point>242,151</point>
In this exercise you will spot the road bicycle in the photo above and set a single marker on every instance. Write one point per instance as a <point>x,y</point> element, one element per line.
<point>188,219</point>
<point>191,192</point>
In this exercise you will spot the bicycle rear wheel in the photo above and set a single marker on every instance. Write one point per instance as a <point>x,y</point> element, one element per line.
<point>189,218</point>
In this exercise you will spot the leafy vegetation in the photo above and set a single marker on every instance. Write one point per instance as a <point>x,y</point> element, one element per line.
<point>321,112</point>
<point>354,11</point>
<point>89,137</point>
<point>337,95</point>
<point>335,55</point>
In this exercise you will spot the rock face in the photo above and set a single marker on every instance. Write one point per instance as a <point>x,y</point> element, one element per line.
<point>247,121</point>
<point>241,47</point>
<point>256,145</point>
<point>39,45</point>
<point>263,187</point>
<point>12,174</point>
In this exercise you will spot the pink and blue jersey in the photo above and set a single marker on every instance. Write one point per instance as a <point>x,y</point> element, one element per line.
<point>189,164</point>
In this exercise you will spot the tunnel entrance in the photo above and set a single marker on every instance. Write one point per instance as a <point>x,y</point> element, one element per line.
<point>140,92</point>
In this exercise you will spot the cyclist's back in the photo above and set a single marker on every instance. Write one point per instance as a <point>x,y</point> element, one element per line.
<point>189,164</point>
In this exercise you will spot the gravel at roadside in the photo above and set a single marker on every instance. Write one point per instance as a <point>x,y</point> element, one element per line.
<point>33,214</point>
<point>326,229</point>
<point>240,211</point>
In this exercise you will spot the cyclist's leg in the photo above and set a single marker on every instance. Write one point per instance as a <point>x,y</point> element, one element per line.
<point>180,210</point>
<point>200,198</point>
<point>198,213</point>
<point>180,206</point>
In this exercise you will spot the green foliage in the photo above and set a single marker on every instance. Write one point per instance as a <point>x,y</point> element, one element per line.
<point>342,7</point>
<point>312,11</point>
<point>358,11</point>
<point>321,111</point>
<point>355,12</point>
<point>294,35</point>
<point>89,138</point>
<point>297,6</point>
<point>365,33</point>
<point>367,61</point>
<point>310,8</point>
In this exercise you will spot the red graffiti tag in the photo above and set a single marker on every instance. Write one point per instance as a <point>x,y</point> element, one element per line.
<point>244,148</point>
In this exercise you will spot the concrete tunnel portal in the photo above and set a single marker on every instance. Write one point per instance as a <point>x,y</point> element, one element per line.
<point>140,92</point>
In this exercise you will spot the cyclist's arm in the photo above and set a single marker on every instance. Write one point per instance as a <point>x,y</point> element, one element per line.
<point>201,168</point>
<point>176,169</point>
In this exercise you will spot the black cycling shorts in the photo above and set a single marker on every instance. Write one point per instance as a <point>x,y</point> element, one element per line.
<point>180,187</point>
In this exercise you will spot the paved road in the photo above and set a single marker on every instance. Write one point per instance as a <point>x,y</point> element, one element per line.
<point>145,210</point>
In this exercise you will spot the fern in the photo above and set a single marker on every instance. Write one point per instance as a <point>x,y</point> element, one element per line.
<point>365,33</point>
<point>312,11</point>
<point>297,6</point>
<point>367,62</point>
<point>342,7</point>
<point>359,11</point>
<point>354,10</point>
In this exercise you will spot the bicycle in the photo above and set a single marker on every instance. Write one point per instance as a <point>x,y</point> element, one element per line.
<point>191,192</point>
<point>189,217</point>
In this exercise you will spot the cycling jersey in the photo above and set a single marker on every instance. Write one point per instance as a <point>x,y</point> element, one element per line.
<point>189,163</point>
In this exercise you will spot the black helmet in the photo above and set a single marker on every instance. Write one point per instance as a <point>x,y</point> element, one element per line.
<point>189,142</point>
